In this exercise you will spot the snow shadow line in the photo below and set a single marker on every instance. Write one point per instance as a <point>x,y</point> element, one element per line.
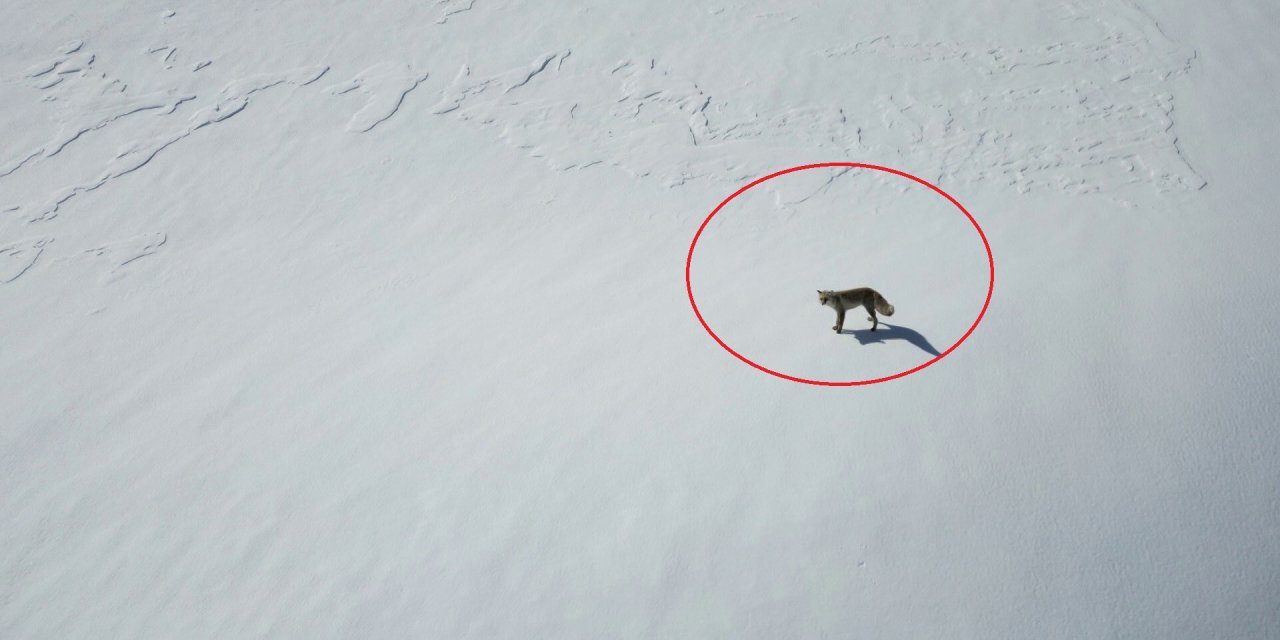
<point>892,332</point>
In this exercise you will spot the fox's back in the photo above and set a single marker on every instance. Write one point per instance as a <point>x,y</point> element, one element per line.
<point>857,297</point>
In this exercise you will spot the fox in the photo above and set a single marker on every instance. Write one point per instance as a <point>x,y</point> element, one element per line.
<point>866,297</point>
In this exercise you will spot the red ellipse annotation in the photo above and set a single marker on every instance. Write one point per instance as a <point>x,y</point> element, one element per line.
<point>991,266</point>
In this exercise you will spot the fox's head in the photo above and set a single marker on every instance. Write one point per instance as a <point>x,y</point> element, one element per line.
<point>824,297</point>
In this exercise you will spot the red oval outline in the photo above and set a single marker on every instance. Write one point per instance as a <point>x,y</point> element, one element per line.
<point>991,266</point>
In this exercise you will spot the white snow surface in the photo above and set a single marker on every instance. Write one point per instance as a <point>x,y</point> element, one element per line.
<point>368,320</point>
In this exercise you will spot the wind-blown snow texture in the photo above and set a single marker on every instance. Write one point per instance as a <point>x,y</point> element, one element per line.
<point>368,320</point>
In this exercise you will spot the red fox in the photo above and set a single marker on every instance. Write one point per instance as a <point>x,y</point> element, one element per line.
<point>867,298</point>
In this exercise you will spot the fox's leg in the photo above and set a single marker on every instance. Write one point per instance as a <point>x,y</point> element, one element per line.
<point>871,311</point>
<point>839,321</point>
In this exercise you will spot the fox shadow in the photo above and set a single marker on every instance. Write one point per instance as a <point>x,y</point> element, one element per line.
<point>888,332</point>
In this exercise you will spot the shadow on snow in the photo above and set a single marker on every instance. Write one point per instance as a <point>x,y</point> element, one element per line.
<point>888,332</point>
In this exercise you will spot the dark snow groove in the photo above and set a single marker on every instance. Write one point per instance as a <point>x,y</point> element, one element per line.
<point>233,99</point>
